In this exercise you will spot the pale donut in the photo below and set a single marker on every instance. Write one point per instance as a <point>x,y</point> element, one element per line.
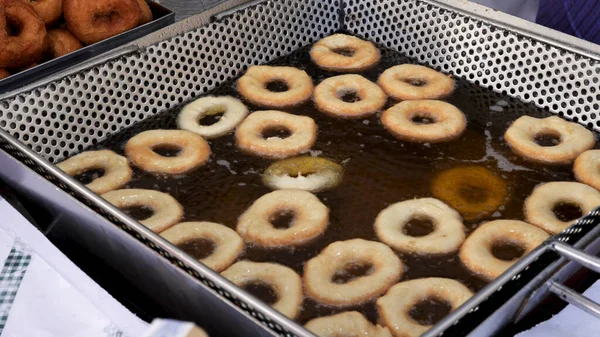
<point>303,134</point>
<point>574,139</point>
<point>447,122</point>
<point>538,207</point>
<point>194,151</point>
<point>350,323</point>
<point>284,281</point>
<point>476,253</point>
<point>253,86</point>
<point>399,82</point>
<point>448,230</point>
<point>587,168</point>
<point>307,173</point>
<point>394,307</point>
<point>166,210</point>
<point>318,272</point>
<point>228,244</point>
<point>329,93</point>
<point>310,219</point>
<point>364,54</point>
<point>117,172</point>
<point>233,110</point>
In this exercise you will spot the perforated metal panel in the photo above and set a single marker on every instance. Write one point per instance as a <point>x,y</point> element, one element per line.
<point>502,60</point>
<point>64,117</point>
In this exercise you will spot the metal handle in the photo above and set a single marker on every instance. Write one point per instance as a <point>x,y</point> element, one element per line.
<point>228,12</point>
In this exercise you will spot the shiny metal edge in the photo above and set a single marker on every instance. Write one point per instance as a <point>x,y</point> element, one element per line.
<point>212,276</point>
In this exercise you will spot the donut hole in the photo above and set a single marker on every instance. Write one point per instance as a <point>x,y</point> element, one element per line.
<point>344,51</point>
<point>415,82</point>
<point>547,138</point>
<point>138,212</point>
<point>106,18</point>
<point>429,311</point>
<point>352,271</point>
<point>90,175</point>
<point>277,86</point>
<point>262,291</point>
<point>507,250</point>
<point>198,248</point>
<point>418,226</point>
<point>566,212</point>
<point>423,118</point>
<point>283,219</point>
<point>13,27</point>
<point>349,96</point>
<point>167,150</point>
<point>277,131</point>
<point>212,116</point>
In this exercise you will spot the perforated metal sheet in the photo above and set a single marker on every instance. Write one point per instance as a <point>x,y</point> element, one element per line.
<point>64,117</point>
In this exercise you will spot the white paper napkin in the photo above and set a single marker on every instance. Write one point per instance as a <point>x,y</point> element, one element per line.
<point>43,294</point>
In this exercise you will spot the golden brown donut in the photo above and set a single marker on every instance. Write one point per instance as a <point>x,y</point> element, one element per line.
<point>228,245</point>
<point>249,134</point>
<point>344,53</point>
<point>310,219</point>
<point>166,211</point>
<point>444,121</point>
<point>61,42</point>
<point>410,81</point>
<point>474,191</point>
<point>253,86</point>
<point>286,284</point>
<point>350,323</point>
<point>539,206</point>
<point>93,21</point>
<point>476,253</point>
<point>394,307</point>
<point>117,172</point>
<point>329,96</point>
<point>573,139</point>
<point>4,73</point>
<point>307,173</point>
<point>194,151</point>
<point>48,10</point>
<point>386,269</point>
<point>146,12</point>
<point>28,46</point>
<point>587,168</point>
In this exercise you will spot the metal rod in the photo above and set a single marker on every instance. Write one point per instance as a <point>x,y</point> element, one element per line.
<point>571,296</point>
<point>233,10</point>
<point>573,254</point>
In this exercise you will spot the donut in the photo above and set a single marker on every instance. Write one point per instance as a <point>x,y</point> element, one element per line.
<point>28,46</point>
<point>350,323</point>
<point>407,82</point>
<point>477,252</point>
<point>286,284</point>
<point>349,96</point>
<point>395,306</point>
<point>60,42</point>
<point>233,113</point>
<point>146,12</point>
<point>446,237</point>
<point>344,53</point>
<point>385,269</point>
<point>539,206</point>
<point>49,10</point>
<point>424,121</point>
<point>194,151</point>
<point>587,168</point>
<point>117,172</point>
<point>166,211</point>
<point>307,173</point>
<point>100,19</point>
<point>250,134</point>
<point>227,243</point>
<point>4,73</point>
<point>573,139</point>
<point>254,86</point>
<point>309,219</point>
<point>474,191</point>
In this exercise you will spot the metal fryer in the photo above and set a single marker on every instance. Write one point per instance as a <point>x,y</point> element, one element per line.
<point>77,108</point>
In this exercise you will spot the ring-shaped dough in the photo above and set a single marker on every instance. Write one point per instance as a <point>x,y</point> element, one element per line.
<point>329,93</point>
<point>233,113</point>
<point>344,53</point>
<point>253,86</point>
<point>410,81</point>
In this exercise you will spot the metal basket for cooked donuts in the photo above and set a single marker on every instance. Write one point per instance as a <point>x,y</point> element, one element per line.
<point>50,120</point>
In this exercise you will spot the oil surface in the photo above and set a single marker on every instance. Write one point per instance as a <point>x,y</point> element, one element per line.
<point>379,170</point>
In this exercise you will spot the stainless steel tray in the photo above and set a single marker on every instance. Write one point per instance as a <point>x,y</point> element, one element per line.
<point>50,120</point>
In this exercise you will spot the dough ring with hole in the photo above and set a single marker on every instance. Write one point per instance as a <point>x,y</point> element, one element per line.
<point>406,82</point>
<point>325,54</point>
<point>307,173</point>
<point>587,168</point>
<point>232,109</point>
<point>329,93</point>
<point>350,323</point>
<point>253,86</point>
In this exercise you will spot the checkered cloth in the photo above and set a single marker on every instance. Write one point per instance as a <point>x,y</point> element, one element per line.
<point>10,278</point>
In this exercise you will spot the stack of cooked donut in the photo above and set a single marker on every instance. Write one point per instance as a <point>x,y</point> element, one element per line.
<point>419,117</point>
<point>33,31</point>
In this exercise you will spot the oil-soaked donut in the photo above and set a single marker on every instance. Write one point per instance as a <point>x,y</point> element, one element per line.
<point>344,53</point>
<point>312,174</point>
